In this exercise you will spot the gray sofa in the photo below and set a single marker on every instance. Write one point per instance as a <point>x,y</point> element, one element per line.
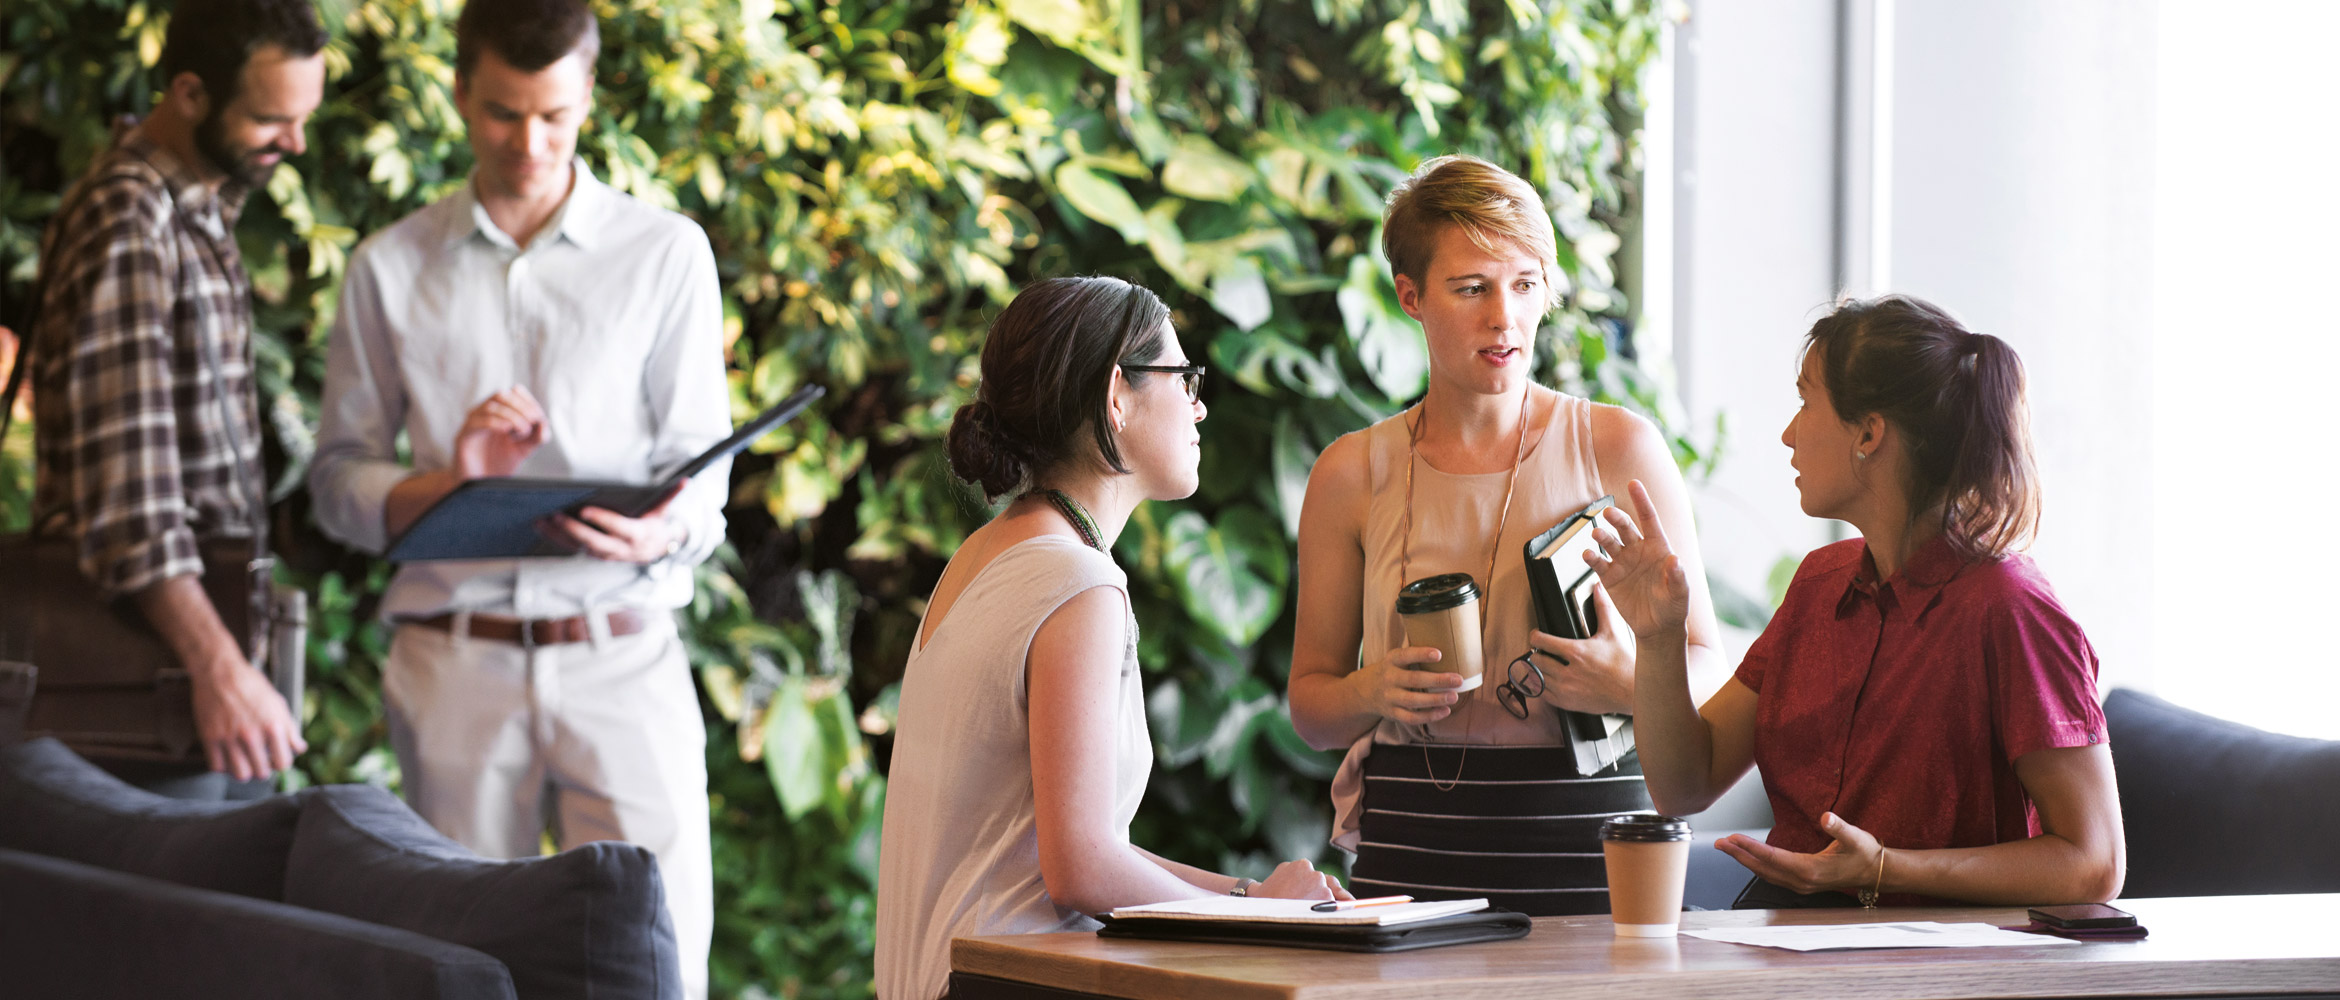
<point>2216,808</point>
<point>339,891</point>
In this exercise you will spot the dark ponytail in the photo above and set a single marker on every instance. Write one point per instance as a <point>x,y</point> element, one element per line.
<point>1046,369</point>
<point>1956,397</point>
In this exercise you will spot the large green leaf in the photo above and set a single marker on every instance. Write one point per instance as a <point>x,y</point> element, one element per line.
<point>1230,575</point>
<point>1388,342</point>
<point>1064,22</point>
<point>1199,169</point>
<point>1240,292</point>
<point>1291,458</point>
<point>796,756</point>
<point>1101,198</point>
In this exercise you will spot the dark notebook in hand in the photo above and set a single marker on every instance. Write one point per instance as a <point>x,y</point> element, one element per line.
<point>497,518</point>
<point>1560,588</point>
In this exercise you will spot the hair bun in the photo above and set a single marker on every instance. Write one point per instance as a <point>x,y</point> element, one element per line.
<point>983,453</point>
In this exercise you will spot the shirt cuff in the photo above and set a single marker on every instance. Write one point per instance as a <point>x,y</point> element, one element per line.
<point>354,512</point>
<point>129,569</point>
<point>2056,734</point>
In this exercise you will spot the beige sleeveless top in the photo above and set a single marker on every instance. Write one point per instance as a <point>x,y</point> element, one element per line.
<point>1454,523</point>
<point>959,854</point>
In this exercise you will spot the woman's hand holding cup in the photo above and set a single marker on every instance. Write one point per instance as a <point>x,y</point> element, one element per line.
<point>1401,689</point>
<point>1644,578</point>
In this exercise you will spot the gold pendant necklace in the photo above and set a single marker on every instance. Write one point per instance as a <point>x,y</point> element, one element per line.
<point>1495,548</point>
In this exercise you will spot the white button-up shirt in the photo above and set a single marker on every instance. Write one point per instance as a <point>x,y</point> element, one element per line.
<point>611,316</point>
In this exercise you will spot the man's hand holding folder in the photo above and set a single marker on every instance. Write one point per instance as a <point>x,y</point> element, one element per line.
<point>476,509</point>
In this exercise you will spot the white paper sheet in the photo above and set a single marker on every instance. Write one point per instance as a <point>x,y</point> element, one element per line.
<point>1847,937</point>
<point>1296,911</point>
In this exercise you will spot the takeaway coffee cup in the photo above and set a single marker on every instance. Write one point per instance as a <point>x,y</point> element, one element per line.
<point>1648,857</point>
<point>1442,612</point>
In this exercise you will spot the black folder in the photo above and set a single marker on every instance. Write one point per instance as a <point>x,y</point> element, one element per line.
<point>1490,924</point>
<point>496,518</point>
<point>1560,586</point>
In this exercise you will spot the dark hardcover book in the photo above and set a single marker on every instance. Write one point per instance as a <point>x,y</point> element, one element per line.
<point>497,518</point>
<point>1560,588</point>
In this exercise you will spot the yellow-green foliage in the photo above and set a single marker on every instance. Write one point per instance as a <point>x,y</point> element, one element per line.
<point>877,177</point>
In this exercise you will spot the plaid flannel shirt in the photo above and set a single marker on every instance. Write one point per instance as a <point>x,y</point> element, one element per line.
<point>133,455</point>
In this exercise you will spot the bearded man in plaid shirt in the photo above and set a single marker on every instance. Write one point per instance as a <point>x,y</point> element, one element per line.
<point>146,300</point>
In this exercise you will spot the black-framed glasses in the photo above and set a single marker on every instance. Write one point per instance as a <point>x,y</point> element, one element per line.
<point>1189,376</point>
<point>1519,689</point>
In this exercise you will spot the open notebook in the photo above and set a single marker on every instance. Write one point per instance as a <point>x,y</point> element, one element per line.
<point>496,518</point>
<point>1296,911</point>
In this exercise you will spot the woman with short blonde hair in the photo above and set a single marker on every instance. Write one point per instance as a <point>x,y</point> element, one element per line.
<point>1446,793</point>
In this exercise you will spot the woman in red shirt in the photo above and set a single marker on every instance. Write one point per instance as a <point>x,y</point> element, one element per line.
<point>1923,710</point>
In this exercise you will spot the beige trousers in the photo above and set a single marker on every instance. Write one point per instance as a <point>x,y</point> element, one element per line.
<point>600,740</point>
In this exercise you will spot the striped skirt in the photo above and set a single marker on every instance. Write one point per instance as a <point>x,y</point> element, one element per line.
<point>1507,829</point>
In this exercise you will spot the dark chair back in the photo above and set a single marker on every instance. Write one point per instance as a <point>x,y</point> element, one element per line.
<point>2217,808</point>
<point>16,688</point>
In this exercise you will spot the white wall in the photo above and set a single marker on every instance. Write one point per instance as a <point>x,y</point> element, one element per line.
<point>2021,196</point>
<point>2246,347</point>
<point>1754,191</point>
<point>2140,198</point>
<point>1754,218</point>
<point>2023,202</point>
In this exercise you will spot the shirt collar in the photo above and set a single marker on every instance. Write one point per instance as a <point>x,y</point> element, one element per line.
<point>582,218</point>
<point>194,198</point>
<point>1919,583</point>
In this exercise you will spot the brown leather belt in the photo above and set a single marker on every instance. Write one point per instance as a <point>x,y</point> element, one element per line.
<point>538,631</point>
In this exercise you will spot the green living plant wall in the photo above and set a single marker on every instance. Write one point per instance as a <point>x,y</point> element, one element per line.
<point>877,179</point>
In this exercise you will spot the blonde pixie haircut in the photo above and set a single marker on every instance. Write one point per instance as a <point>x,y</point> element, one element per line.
<point>1497,210</point>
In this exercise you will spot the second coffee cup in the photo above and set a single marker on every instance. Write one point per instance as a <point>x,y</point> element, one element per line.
<point>1442,612</point>
<point>1648,860</point>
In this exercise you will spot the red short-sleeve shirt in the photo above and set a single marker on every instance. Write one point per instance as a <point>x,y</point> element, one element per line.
<point>1903,704</point>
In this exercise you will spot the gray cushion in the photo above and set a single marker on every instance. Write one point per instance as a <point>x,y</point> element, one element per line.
<point>589,921</point>
<point>2215,808</point>
<point>55,803</point>
<point>95,933</point>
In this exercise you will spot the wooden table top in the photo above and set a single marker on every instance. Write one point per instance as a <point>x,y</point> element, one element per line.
<point>2201,945</point>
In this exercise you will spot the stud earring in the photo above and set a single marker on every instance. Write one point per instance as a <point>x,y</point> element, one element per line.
<point>1861,455</point>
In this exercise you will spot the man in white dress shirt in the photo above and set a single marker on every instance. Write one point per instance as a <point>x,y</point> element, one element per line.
<point>538,323</point>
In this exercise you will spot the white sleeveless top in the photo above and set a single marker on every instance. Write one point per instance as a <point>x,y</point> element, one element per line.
<point>1455,517</point>
<point>960,852</point>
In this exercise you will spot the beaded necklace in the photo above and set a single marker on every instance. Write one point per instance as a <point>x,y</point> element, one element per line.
<point>1078,515</point>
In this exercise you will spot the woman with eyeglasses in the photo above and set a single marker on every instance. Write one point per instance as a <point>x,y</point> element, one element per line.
<point>1922,708</point>
<point>1448,793</point>
<point>1020,751</point>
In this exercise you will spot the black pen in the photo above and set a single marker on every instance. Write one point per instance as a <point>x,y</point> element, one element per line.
<point>1337,905</point>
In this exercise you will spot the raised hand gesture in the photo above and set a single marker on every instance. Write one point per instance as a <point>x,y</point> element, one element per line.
<point>1642,574</point>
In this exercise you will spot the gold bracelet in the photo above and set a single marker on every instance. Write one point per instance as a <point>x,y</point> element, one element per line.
<point>1868,896</point>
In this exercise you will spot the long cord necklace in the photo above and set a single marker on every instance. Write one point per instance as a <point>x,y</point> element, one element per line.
<point>1078,515</point>
<point>1406,558</point>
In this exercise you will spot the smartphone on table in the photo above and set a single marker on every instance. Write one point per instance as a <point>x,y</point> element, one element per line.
<point>2083,917</point>
<point>2086,922</point>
